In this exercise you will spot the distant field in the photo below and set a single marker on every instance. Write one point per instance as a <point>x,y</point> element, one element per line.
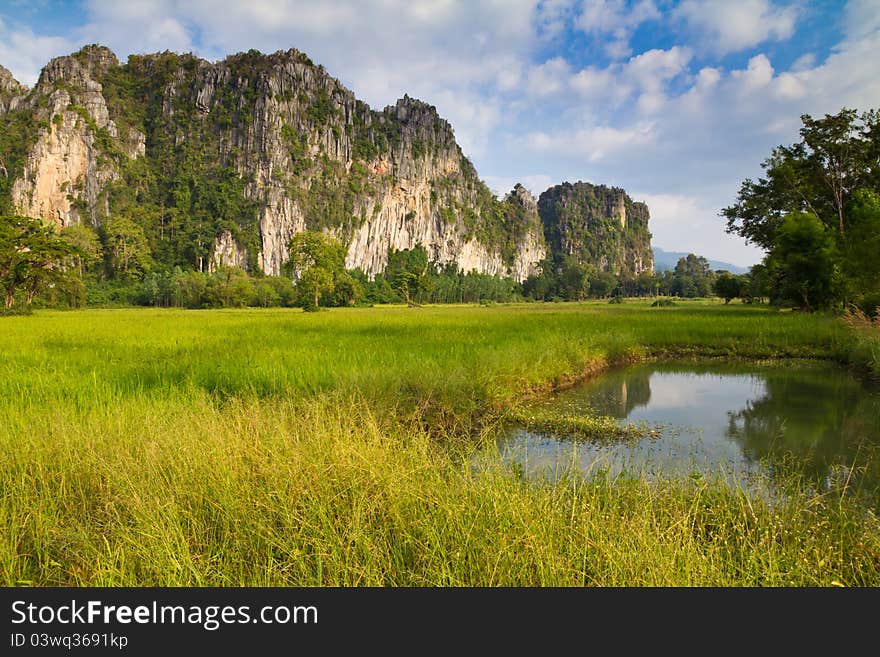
<point>153,447</point>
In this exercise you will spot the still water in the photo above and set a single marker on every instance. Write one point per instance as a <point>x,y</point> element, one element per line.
<point>743,421</point>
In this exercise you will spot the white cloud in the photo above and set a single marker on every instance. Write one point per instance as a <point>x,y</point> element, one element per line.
<point>862,18</point>
<point>615,18</point>
<point>758,74</point>
<point>686,223</point>
<point>549,78</point>
<point>722,27</point>
<point>25,53</point>
<point>804,62</point>
<point>594,143</point>
<point>536,183</point>
<point>653,69</point>
<point>551,17</point>
<point>645,76</point>
<point>498,71</point>
<point>136,26</point>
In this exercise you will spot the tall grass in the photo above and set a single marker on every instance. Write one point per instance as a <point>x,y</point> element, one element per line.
<point>142,447</point>
<point>865,343</point>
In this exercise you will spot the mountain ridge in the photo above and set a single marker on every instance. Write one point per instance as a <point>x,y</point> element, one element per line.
<point>666,260</point>
<point>222,162</point>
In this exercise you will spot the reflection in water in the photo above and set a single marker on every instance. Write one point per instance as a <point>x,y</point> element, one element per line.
<point>813,420</point>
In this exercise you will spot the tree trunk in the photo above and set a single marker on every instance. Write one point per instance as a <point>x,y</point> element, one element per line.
<point>10,299</point>
<point>316,297</point>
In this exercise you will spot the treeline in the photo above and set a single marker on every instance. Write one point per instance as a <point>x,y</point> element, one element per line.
<point>80,266</point>
<point>691,278</point>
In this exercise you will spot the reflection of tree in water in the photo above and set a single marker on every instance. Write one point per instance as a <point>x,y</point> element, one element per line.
<point>817,425</point>
<point>619,393</point>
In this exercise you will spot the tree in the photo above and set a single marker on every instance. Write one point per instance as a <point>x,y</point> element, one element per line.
<point>757,286</point>
<point>315,262</point>
<point>836,156</point>
<point>727,286</point>
<point>574,280</point>
<point>407,271</point>
<point>833,176</point>
<point>802,263</point>
<point>86,244</point>
<point>692,277</point>
<point>31,258</point>
<point>861,248</point>
<point>347,290</point>
<point>127,248</point>
<point>313,283</point>
<point>603,284</point>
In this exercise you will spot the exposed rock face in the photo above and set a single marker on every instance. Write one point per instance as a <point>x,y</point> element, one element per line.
<point>10,89</point>
<point>227,253</point>
<point>66,169</point>
<point>222,163</point>
<point>597,225</point>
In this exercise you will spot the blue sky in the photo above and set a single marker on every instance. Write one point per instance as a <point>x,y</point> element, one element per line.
<point>676,101</point>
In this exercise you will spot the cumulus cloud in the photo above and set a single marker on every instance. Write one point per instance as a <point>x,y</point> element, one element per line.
<point>25,53</point>
<point>645,77</point>
<point>136,26</point>
<point>536,183</point>
<point>687,223</point>
<point>550,77</point>
<point>723,27</point>
<point>862,18</point>
<point>673,120</point>
<point>593,143</point>
<point>615,19</point>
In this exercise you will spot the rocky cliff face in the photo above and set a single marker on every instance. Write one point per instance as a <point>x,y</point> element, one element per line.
<point>65,168</point>
<point>597,225</point>
<point>221,163</point>
<point>9,88</point>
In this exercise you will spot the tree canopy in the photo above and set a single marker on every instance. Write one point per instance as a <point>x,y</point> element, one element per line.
<point>32,258</point>
<point>817,200</point>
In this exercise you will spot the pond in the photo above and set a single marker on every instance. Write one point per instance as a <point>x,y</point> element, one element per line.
<point>747,422</point>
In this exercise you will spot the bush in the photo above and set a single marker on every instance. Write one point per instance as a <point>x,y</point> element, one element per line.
<point>870,304</point>
<point>663,303</point>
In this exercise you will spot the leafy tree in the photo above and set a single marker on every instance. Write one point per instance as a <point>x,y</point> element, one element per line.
<point>407,271</point>
<point>313,283</point>
<point>836,156</point>
<point>229,287</point>
<point>861,248</point>
<point>265,295</point>
<point>603,284</point>
<point>574,280</point>
<point>757,286</point>
<point>692,277</point>
<point>803,262</point>
<point>832,175</point>
<point>347,289</point>
<point>86,244</point>
<point>31,258</point>
<point>541,286</point>
<point>126,248</point>
<point>316,260</point>
<point>727,286</point>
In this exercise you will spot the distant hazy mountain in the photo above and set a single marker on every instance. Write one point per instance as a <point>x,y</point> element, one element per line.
<point>664,260</point>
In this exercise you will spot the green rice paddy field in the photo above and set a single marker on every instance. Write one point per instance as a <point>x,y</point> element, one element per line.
<point>275,447</point>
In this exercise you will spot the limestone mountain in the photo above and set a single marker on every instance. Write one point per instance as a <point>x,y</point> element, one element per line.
<point>597,225</point>
<point>222,162</point>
